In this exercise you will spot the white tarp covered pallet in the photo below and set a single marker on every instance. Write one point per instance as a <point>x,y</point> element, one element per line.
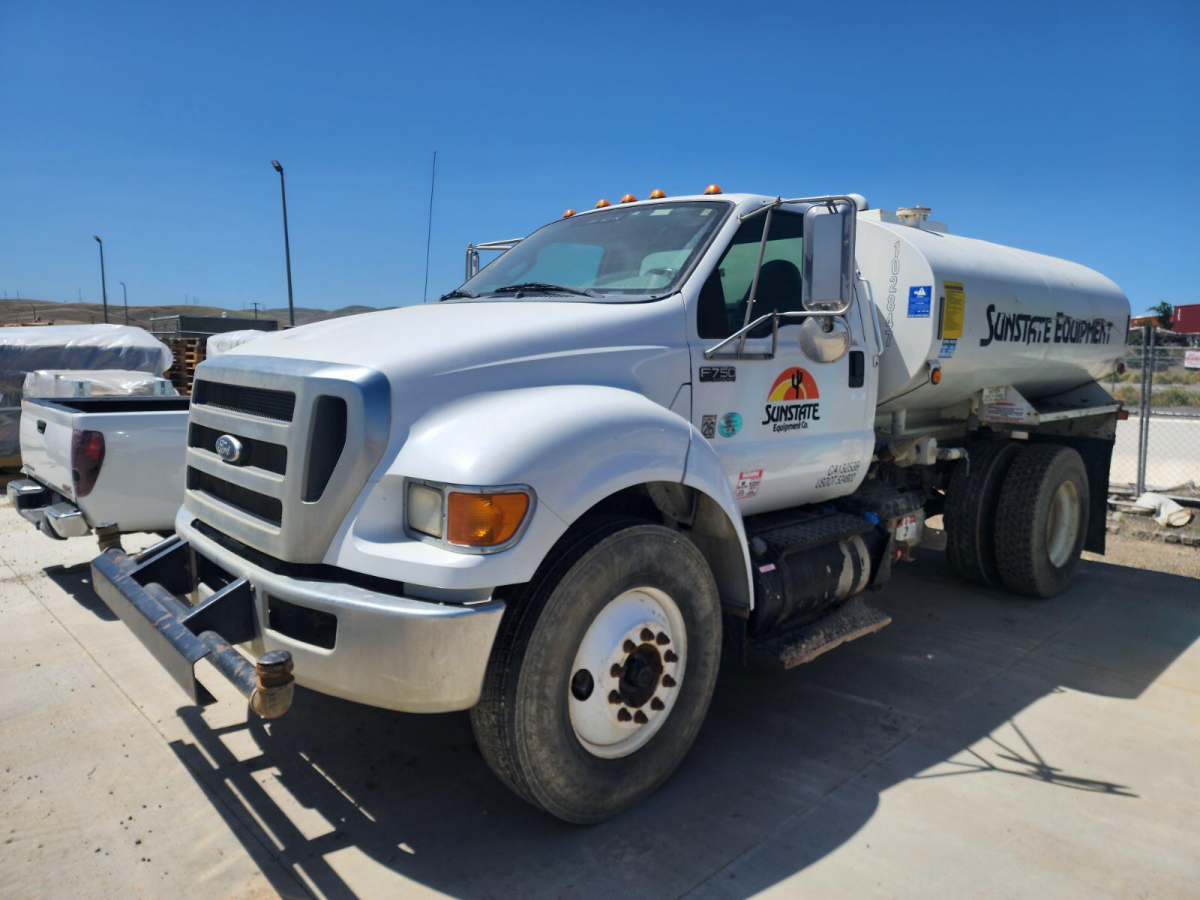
<point>25,350</point>
<point>227,340</point>
<point>97,383</point>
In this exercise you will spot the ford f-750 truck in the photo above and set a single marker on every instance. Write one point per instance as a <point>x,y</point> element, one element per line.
<point>645,438</point>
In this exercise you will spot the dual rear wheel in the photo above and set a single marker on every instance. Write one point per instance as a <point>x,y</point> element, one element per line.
<point>1016,516</point>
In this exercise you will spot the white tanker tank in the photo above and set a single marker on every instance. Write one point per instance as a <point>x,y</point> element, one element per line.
<point>985,314</point>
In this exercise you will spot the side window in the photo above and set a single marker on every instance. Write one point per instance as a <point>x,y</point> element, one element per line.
<point>723,299</point>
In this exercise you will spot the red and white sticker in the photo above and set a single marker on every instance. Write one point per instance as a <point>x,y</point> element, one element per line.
<point>747,484</point>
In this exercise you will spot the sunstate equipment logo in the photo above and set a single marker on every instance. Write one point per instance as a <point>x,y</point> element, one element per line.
<point>793,401</point>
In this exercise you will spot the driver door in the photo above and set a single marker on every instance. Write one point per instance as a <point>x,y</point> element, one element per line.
<point>788,430</point>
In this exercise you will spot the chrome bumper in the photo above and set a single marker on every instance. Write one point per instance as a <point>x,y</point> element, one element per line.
<point>371,647</point>
<point>45,509</point>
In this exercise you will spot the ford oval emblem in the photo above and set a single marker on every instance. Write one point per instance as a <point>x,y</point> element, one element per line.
<point>229,448</point>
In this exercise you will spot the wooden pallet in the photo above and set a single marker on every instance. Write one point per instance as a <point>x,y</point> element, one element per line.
<point>189,352</point>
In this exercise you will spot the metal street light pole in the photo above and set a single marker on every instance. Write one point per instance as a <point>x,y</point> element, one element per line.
<point>103,282</point>
<point>125,291</point>
<point>287,248</point>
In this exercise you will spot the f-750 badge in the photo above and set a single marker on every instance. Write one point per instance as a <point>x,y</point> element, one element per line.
<point>718,373</point>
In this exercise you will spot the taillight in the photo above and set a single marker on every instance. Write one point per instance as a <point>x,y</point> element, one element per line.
<point>87,455</point>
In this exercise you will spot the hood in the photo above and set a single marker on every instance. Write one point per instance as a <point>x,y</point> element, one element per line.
<point>498,344</point>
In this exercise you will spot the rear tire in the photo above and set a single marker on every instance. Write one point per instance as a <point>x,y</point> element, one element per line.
<point>970,514</point>
<point>1041,521</point>
<point>547,721</point>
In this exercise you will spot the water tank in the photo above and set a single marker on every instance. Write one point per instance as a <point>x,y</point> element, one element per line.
<point>988,315</point>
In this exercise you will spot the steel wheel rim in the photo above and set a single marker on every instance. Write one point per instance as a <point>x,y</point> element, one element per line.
<point>1062,525</point>
<point>635,652</point>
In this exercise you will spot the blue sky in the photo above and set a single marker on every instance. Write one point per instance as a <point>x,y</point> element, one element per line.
<point>1065,128</point>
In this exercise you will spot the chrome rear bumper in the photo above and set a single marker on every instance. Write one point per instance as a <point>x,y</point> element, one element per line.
<point>46,509</point>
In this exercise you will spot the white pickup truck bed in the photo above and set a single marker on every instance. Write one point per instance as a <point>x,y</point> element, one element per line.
<point>139,485</point>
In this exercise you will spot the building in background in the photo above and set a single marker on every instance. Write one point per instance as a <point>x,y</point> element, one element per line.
<point>203,326</point>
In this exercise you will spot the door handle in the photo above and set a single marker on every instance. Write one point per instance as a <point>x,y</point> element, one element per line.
<point>41,426</point>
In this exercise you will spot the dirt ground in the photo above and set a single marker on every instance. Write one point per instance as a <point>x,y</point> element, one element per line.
<point>1154,556</point>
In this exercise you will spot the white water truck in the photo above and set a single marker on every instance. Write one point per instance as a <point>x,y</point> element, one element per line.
<point>644,438</point>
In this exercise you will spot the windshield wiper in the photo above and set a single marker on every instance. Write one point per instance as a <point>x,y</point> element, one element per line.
<point>542,287</point>
<point>458,292</point>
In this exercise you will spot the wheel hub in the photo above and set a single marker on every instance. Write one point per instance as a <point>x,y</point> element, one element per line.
<point>634,653</point>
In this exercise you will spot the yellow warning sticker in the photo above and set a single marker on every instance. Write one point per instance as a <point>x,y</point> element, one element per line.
<point>954,309</point>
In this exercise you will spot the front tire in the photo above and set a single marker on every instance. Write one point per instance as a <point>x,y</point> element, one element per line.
<point>603,671</point>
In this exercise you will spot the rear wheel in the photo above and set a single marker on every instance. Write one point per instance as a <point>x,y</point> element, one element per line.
<point>602,672</point>
<point>1041,520</point>
<point>970,514</point>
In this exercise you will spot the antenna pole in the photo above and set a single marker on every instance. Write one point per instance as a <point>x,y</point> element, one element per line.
<point>429,229</point>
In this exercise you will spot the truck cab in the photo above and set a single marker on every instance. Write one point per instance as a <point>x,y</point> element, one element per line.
<point>644,436</point>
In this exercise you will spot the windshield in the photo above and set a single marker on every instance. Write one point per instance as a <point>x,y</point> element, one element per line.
<point>614,253</point>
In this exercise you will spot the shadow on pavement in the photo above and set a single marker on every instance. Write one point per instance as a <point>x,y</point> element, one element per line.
<point>77,581</point>
<point>331,783</point>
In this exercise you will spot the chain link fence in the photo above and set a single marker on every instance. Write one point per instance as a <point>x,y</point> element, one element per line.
<point>1158,446</point>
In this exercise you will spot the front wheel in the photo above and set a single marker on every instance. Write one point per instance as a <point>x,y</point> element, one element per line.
<point>603,671</point>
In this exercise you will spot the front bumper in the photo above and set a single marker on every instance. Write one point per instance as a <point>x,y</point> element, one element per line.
<point>383,650</point>
<point>46,509</point>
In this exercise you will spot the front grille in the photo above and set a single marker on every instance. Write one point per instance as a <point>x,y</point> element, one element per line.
<point>268,508</point>
<point>261,454</point>
<point>264,402</point>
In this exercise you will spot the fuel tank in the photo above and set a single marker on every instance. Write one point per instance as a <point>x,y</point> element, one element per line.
<point>986,314</point>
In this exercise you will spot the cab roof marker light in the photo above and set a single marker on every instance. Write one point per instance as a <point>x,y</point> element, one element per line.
<point>713,189</point>
<point>568,214</point>
<point>658,194</point>
<point>629,198</point>
<point>601,203</point>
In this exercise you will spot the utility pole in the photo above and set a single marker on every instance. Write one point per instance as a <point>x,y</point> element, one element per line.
<point>103,282</point>
<point>256,305</point>
<point>126,293</point>
<point>287,247</point>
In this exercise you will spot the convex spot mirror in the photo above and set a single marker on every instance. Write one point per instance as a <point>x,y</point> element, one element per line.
<point>827,279</point>
<point>824,339</point>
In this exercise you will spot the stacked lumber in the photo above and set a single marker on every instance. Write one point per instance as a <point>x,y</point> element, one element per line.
<point>189,352</point>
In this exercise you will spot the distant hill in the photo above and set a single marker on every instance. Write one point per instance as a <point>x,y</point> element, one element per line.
<point>26,311</point>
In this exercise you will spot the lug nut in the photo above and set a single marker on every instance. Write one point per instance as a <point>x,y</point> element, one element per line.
<point>670,657</point>
<point>657,704</point>
<point>647,634</point>
<point>616,671</point>
<point>668,681</point>
<point>623,715</point>
<point>663,640</point>
<point>640,717</point>
<point>629,646</point>
<point>614,697</point>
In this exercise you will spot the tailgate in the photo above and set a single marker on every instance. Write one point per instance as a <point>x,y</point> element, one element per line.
<point>46,445</point>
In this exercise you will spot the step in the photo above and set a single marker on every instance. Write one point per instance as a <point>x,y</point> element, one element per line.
<point>850,621</point>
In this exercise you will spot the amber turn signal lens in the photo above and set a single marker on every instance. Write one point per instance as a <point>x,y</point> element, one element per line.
<point>484,520</point>
<point>712,189</point>
<point>629,198</point>
<point>657,194</point>
<point>935,377</point>
<point>600,204</point>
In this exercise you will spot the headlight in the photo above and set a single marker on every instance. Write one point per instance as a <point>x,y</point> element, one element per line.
<point>471,519</point>
<point>425,509</point>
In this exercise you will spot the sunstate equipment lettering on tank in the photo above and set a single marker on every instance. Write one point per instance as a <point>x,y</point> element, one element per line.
<point>1022,328</point>
<point>793,401</point>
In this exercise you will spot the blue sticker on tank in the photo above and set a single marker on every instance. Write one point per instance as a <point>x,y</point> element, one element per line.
<point>731,424</point>
<point>948,347</point>
<point>918,301</point>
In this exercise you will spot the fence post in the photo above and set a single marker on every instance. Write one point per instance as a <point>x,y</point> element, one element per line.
<point>1148,361</point>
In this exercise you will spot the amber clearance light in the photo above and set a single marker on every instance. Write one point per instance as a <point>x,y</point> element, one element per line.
<point>484,520</point>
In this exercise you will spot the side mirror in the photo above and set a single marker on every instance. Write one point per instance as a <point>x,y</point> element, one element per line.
<point>827,280</point>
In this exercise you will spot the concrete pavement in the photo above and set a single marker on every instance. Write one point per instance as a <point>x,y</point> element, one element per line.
<point>980,746</point>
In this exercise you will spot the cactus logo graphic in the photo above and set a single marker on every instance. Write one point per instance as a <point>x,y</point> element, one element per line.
<point>793,401</point>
